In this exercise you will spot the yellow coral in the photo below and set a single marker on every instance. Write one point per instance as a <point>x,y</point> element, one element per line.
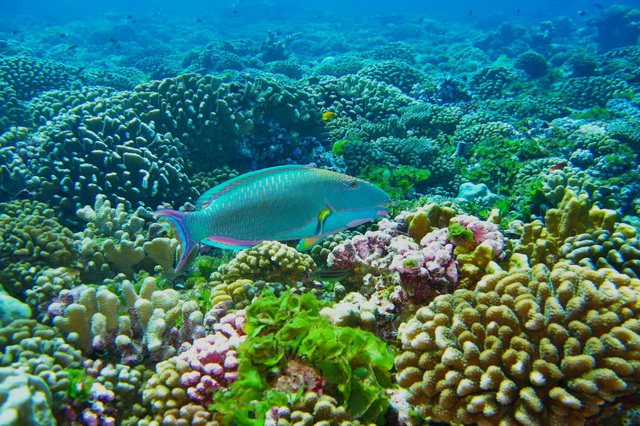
<point>268,261</point>
<point>529,346</point>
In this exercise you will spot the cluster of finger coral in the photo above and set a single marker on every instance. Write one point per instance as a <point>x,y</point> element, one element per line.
<point>31,238</point>
<point>118,241</point>
<point>183,386</point>
<point>270,261</point>
<point>152,323</point>
<point>37,349</point>
<point>540,241</point>
<point>528,346</point>
<point>312,409</point>
<point>354,97</point>
<point>112,394</point>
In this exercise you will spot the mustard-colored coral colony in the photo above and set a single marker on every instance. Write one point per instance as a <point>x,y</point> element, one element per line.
<point>343,213</point>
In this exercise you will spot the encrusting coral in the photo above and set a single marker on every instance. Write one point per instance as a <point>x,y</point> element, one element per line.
<point>529,346</point>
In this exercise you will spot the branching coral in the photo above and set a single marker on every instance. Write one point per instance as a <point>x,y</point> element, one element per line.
<point>95,321</point>
<point>270,261</point>
<point>529,346</point>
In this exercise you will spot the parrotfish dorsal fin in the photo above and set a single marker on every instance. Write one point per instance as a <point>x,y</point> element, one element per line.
<point>219,190</point>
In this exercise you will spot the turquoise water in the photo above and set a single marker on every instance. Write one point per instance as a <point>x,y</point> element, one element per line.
<point>500,282</point>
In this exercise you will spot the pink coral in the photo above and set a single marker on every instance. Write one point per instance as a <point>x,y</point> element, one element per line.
<point>390,257</point>
<point>483,231</point>
<point>213,359</point>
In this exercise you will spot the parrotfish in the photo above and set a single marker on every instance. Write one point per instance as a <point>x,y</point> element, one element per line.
<point>279,203</point>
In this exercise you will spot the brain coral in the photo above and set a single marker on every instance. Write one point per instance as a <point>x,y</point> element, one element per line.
<point>528,346</point>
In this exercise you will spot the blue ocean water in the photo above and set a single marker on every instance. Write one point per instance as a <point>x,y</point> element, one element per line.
<point>463,177</point>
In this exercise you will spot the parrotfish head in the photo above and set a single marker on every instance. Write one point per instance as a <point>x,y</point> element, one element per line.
<point>357,201</point>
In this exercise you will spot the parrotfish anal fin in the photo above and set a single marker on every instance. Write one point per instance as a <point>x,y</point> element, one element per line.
<point>217,191</point>
<point>307,243</point>
<point>229,243</point>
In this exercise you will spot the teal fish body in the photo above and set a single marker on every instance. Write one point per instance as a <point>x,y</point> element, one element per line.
<point>278,203</point>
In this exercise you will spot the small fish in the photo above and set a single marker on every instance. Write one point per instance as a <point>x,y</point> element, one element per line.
<point>62,35</point>
<point>582,12</point>
<point>421,20</point>
<point>278,203</point>
<point>15,31</point>
<point>73,46</point>
<point>598,6</point>
<point>517,10</point>
<point>234,11</point>
<point>561,165</point>
<point>114,42</point>
<point>24,194</point>
<point>331,274</point>
<point>328,115</point>
<point>471,12</point>
<point>198,20</point>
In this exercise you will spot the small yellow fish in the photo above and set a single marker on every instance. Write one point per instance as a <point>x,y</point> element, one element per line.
<point>328,115</point>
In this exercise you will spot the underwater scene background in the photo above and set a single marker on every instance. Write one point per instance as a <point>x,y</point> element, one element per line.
<point>501,287</point>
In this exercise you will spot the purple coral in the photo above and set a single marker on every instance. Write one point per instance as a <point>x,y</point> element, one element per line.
<point>483,232</point>
<point>213,359</point>
<point>390,257</point>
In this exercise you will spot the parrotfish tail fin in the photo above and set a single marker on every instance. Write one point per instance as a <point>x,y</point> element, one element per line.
<point>182,232</point>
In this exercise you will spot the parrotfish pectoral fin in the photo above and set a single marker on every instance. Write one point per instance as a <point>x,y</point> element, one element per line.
<point>307,243</point>
<point>182,232</point>
<point>322,219</point>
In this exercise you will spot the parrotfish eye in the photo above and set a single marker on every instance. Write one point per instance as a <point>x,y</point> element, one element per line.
<point>353,184</point>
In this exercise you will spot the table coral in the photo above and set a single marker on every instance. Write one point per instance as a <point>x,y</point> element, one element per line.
<point>528,346</point>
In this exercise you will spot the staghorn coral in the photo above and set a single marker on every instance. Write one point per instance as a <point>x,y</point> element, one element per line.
<point>269,260</point>
<point>36,349</point>
<point>529,346</point>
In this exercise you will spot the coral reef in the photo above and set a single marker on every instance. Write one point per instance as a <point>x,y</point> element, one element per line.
<point>528,346</point>
<point>269,260</point>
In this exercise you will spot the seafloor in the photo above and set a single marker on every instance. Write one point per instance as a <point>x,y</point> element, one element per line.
<point>501,288</point>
